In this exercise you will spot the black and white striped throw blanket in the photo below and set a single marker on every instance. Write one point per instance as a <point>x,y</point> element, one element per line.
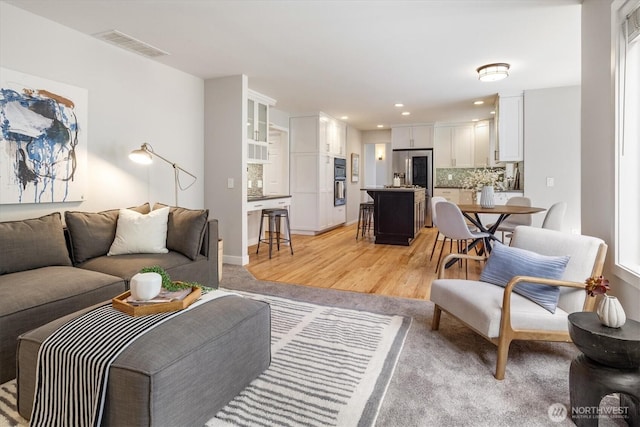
<point>73,363</point>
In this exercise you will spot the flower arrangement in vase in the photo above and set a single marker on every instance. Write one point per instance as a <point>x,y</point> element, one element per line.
<point>609,310</point>
<point>484,180</point>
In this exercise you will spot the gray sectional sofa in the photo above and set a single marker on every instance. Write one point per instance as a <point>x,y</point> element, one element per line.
<point>48,271</point>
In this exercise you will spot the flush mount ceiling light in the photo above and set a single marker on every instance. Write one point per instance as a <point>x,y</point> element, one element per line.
<point>493,72</point>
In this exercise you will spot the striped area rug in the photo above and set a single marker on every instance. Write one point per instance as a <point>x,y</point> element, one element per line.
<point>329,367</point>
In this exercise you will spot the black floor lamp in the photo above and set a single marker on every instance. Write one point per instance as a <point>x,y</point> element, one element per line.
<point>144,155</point>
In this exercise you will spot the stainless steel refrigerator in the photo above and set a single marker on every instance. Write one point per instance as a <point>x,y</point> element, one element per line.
<point>415,168</point>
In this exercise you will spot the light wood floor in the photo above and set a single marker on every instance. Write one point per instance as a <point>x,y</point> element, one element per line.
<point>337,260</point>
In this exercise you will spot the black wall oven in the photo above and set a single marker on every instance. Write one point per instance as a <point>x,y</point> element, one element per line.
<point>339,181</point>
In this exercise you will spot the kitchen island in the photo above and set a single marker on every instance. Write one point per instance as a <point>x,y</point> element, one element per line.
<point>399,214</point>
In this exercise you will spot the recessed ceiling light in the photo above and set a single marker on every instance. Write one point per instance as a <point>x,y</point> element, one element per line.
<point>492,112</point>
<point>380,126</point>
<point>344,118</point>
<point>475,120</point>
<point>478,102</point>
<point>398,104</point>
<point>406,113</point>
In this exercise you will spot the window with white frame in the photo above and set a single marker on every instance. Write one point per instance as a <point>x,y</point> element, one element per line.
<point>628,139</point>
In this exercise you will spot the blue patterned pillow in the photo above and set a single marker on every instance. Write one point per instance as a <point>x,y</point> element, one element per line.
<point>506,262</point>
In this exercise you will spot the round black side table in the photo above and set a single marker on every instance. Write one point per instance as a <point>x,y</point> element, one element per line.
<point>610,364</point>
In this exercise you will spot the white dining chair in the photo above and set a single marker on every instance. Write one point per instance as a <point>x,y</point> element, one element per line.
<point>434,217</point>
<point>554,218</point>
<point>452,225</point>
<point>510,224</point>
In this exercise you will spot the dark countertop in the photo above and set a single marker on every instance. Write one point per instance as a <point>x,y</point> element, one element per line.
<point>269,197</point>
<point>461,188</point>
<point>394,189</point>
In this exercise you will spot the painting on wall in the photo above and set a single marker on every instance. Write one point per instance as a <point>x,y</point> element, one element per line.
<point>355,167</point>
<point>43,140</point>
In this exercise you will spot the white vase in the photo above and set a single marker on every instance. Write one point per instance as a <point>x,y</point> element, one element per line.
<point>486,197</point>
<point>610,312</point>
<point>145,286</point>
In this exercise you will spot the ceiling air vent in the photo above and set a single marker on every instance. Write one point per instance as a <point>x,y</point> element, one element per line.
<point>127,42</point>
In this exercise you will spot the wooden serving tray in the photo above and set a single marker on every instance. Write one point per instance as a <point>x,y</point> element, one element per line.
<point>120,304</point>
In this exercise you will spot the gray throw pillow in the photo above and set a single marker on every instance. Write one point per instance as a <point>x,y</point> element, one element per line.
<point>185,229</point>
<point>506,262</point>
<point>32,243</point>
<point>92,233</point>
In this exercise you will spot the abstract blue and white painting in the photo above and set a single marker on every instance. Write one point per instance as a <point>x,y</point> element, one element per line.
<point>43,140</point>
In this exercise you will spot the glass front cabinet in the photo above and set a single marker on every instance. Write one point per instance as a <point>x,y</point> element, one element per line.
<point>258,127</point>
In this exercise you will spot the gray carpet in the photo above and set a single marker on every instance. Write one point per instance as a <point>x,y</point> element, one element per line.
<point>445,378</point>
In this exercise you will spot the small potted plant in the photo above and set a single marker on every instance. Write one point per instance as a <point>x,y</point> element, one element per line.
<point>609,311</point>
<point>173,285</point>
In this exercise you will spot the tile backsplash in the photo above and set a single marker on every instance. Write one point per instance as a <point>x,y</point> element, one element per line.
<point>255,177</point>
<point>457,176</point>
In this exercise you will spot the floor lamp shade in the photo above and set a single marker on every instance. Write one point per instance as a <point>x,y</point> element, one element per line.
<point>144,155</point>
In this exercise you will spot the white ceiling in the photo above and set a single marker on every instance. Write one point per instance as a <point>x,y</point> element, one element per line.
<point>353,58</point>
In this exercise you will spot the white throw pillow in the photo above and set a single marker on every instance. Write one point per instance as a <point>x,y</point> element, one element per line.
<point>137,233</point>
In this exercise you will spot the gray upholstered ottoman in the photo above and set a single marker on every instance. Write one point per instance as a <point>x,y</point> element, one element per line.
<point>180,373</point>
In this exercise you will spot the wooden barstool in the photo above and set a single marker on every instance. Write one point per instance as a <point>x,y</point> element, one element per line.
<point>365,218</point>
<point>275,216</point>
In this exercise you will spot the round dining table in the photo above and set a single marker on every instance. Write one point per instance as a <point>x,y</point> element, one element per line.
<point>472,213</point>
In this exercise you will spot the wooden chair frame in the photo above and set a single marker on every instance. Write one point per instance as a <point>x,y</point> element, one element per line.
<point>507,332</point>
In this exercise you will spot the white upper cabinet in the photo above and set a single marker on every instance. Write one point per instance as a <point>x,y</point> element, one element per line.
<point>319,134</point>
<point>462,146</point>
<point>416,136</point>
<point>258,127</point>
<point>484,145</point>
<point>333,136</point>
<point>510,126</point>
<point>454,146</point>
<point>442,147</point>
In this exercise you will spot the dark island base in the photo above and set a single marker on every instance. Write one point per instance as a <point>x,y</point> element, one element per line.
<point>398,215</point>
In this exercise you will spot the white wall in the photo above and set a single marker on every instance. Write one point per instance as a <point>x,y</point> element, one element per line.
<point>598,146</point>
<point>552,150</point>
<point>132,100</point>
<point>354,194</point>
<point>376,172</point>
<point>225,159</point>
<point>279,118</point>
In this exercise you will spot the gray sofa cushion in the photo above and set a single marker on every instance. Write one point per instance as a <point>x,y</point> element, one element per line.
<point>185,229</point>
<point>175,264</point>
<point>32,298</point>
<point>91,234</point>
<point>32,243</point>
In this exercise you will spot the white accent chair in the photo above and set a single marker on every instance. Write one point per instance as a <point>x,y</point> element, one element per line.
<point>554,218</point>
<point>501,316</point>
<point>453,226</point>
